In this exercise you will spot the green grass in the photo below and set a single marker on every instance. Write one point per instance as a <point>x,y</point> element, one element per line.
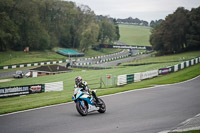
<point>37,100</point>
<point>19,57</point>
<point>93,76</point>
<point>168,58</point>
<point>134,35</point>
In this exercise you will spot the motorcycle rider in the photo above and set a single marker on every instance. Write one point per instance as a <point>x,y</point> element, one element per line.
<point>79,83</point>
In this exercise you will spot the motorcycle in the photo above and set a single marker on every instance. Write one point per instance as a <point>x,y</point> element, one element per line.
<point>85,102</point>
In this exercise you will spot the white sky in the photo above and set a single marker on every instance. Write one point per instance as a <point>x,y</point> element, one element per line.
<point>143,9</point>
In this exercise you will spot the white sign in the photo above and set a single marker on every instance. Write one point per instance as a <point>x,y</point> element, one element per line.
<point>55,86</point>
<point>148,74</point>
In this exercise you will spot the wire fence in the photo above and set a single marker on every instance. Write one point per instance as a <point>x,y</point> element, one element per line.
<point>105,81</point>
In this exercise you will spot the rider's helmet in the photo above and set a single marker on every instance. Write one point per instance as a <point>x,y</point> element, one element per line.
<point>78,80</point>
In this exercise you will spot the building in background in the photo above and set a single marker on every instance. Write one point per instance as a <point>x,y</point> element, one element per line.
<point>48,70</point>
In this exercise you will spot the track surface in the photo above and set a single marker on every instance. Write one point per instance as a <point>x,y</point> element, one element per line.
<point>116,62</point>
<point>149,110</point>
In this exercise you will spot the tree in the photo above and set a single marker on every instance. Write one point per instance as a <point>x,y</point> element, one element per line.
<point>89,37</point>
<point>116,29</point>
<point>8,29</point>
<point>43,24</point>
<point>170,35</point>
<point>155,23</point>
<point>107,31</point>
<point>193,35</point>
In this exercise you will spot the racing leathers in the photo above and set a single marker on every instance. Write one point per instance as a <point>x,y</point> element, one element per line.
<point>85,88</point>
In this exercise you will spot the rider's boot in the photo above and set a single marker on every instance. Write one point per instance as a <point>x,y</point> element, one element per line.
<point>97,100</point>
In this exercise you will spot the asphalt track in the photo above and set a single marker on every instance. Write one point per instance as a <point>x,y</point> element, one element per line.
<point>117,62</point>
<point>149,110</point>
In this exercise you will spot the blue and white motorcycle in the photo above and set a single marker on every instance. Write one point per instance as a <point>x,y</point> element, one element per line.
<point>85,102</point>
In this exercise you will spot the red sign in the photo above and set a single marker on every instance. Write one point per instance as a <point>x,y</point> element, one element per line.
<point>108,76</point>
<point>35,88</point>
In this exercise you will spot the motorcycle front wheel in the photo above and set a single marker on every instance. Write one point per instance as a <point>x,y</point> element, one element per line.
<point>82,109</point>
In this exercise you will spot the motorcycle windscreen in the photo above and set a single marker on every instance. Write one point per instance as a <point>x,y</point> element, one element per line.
<point>76,90</point>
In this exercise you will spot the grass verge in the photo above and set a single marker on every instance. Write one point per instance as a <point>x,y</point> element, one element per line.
<point>13,104</point>
<point>168,58</point>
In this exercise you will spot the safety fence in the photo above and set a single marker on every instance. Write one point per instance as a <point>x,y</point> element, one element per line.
<point>104,81</point>
<point>136,77</point>
<point>30,89</point>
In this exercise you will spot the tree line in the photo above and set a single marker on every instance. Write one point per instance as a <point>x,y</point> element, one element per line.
<point>179,32</point>
<point>44,24</point>
<point>153,23</point>
<point>133,21</point>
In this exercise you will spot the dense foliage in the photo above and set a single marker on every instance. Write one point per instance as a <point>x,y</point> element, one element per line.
<point>44,24</point>
<point>179,32</point>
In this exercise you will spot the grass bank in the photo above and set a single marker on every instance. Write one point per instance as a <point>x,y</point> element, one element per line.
<point>134,35</point>
<point>167,58</point>
<point>19,57</point>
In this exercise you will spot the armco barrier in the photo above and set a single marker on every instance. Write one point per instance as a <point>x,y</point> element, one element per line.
<point>33,64</point>
<point>130,78</point>
<point>163,71</point>
<point>175,68</point>
<point>122,80</point>
<point>135,77</point>
<point>148,74</point>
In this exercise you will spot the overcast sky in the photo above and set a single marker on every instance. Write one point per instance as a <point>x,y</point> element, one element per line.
<point>143,9</point>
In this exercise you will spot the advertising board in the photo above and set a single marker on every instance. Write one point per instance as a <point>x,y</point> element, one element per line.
<point>21,90</point>
<point>164,71</point>
<point>148,74</point>
<point>125,46</point>
<point>14,91</point>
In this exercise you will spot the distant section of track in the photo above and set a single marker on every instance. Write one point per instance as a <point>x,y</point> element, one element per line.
<point>128,59</point>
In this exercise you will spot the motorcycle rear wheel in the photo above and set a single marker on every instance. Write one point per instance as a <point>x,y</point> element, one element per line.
<point>83,110</point>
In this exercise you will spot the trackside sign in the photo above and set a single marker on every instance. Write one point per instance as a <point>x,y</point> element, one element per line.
<point>13,91</point>
<point>125,46</point>
<point>21,90</point>
<point>163,71</point>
